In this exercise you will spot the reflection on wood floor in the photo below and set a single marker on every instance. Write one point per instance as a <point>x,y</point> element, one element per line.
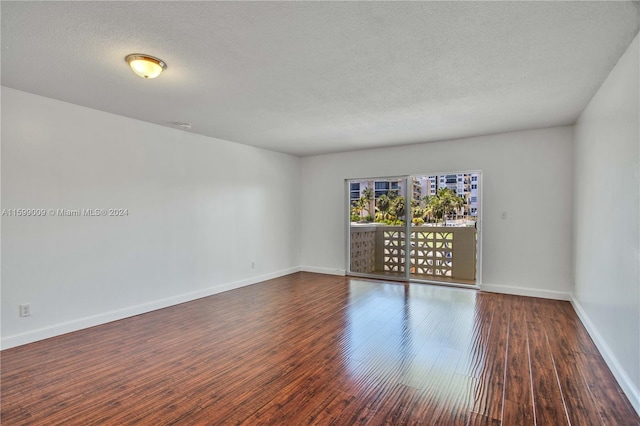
<point>421,277</point>
<point>318,349</point>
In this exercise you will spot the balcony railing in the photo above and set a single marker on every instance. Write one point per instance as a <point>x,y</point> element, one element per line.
<point>436,252</point>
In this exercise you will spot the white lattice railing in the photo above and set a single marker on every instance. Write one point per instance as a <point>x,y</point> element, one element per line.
<point>435,251</point>
<point>363,244</point>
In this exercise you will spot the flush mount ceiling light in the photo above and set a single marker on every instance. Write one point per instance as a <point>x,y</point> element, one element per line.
<point>145,66</point>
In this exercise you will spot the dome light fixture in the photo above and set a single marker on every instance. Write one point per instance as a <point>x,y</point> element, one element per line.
<point>145,66</point>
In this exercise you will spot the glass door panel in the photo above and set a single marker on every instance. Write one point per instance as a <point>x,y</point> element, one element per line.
<point>445,211</point>
<point>377,227</point>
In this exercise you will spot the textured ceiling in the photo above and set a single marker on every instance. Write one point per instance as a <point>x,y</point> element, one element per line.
<point>316,77</point>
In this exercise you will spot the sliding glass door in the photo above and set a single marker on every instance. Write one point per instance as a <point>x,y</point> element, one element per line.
<point>420,228</point>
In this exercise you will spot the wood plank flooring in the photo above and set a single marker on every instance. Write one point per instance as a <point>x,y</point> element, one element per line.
<point>322,350</point>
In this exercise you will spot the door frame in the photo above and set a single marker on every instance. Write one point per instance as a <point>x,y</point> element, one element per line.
<point>407,261</point>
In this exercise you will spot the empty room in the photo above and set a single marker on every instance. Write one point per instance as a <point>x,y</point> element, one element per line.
<point>320,213</point>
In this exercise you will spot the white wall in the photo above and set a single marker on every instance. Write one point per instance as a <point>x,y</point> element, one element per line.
<point>200,210</point>
<point>527,174</point>
<point>607,214</point>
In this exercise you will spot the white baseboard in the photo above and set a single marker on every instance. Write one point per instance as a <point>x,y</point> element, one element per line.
<point>612,362</point>
<point>328,271</point>
<point>525,291</point>
<point>91,321</point>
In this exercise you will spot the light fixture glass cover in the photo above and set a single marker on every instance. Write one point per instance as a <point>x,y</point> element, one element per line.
<point>145,66</point>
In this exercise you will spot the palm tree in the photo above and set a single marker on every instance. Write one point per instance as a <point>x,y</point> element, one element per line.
<point>382,208</point>
<point>458,204</point>
<point>434,208</point>
<point>397,208</point>
<point>446,202</point>
<point>358,206</point>
<point>369,197</point>
<point>417,211</point>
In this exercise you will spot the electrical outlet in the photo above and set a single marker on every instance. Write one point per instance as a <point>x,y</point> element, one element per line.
<point>503,215</point>
<point>25,310</point>
<point>253,264</point>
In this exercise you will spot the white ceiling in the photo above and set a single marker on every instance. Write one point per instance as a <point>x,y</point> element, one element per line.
<point>317,77</point>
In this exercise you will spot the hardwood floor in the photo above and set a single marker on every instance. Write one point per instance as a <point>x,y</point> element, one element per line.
<point>318,349</point>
